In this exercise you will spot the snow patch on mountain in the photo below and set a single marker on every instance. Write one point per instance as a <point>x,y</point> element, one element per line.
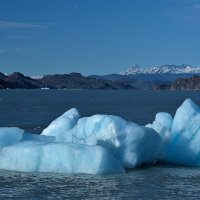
<point>37,77</point>
<point>165,69</point>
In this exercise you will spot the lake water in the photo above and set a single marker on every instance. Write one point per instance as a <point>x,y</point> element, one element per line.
<point>33,110</point>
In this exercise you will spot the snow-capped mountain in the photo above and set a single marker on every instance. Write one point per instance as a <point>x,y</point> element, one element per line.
<point>165,69</point>
<point>37,77</point>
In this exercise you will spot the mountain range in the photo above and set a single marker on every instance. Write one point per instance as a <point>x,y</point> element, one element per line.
<point>152,77</point>
<point>135,77</point>
<point>164,69</point>
<point>17,80</point>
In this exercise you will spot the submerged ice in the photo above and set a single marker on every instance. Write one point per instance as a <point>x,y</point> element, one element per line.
<point>103,144</point>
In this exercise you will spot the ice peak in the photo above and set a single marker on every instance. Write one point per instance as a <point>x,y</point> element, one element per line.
<point>164,69</point>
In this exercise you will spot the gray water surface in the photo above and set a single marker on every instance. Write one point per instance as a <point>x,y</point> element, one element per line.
<point>33,110</point>
<point>158,182</point>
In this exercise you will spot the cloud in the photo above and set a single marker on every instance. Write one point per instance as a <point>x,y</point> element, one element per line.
<point>17,37</point>
<point>17,50</point>
<point>186,12</point>
<point>196,6</point>
<point>76,6</point>
<point>2,50</point>
<point>21,25</point>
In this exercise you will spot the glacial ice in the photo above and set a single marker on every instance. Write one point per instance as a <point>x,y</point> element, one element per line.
<point>62,124</point>
<point>34,156</point>
<point>10,136</point>
<point>103,144</point>
<point>35,137</point>
<point>181,139</point>
<point>131,144</point>
<point>183,146</point>
<point>162,125</point>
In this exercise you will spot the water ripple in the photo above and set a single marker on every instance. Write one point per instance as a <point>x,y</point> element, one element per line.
<point>159,182</point>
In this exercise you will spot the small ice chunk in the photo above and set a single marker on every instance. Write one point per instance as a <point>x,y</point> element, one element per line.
<point>183,147</point>
<point>10,136</point>
<point>162,124</point>
<point>165,119</point>
<point>161,130</point>
<point>187,116</point>
<point>62,124</point>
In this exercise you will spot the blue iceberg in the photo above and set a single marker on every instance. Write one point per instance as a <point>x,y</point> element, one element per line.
<point>10,136</point>
<point>57,157</point>
<point>131,144</point>
<point>181,135</point>
<point>104,144</point>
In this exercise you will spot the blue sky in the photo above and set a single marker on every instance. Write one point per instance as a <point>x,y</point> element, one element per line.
<point>97,36</point>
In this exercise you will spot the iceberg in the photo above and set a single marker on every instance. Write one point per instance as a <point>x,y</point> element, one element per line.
<point>183,146</point>
<point>181,135</point>
<point>33,156</point>
<point>104,144</point>
<point>131,144</point>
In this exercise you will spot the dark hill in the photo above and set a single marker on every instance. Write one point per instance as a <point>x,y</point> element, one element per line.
<point>58,81</point>
<point>192,83</point>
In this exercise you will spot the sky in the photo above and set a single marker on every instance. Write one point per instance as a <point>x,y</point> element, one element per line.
<point>40,37</point>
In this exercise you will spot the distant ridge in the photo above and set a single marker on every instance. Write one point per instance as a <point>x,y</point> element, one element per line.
<point>148,78</point>
<point>135,77</point>
<point>165,69</point>
<point>192,83</point>
<point>17,80</point>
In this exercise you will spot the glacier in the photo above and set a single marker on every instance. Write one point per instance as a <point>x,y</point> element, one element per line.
<point>104,144</point>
